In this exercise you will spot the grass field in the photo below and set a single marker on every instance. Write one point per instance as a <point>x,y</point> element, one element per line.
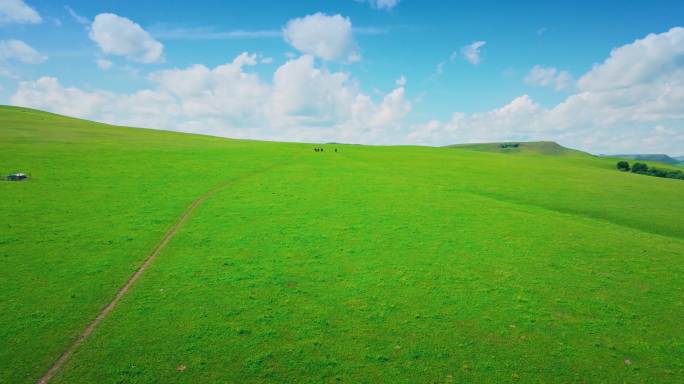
<point>370,264</point>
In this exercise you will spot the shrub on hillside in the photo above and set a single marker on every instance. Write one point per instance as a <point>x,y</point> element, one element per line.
<point>639,168</point>
<point>644,169</point>
<point>623,166</point>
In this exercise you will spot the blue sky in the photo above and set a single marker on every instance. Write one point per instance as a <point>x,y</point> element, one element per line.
<point>379,72</point>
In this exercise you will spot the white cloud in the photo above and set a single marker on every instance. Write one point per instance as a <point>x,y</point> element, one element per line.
<point>549,77</point>
<point>471,52</point>
<point>639,82</point>
<point>637,63</point>
<point>16,11</point>
<point>453,57</point>
<point>120,36</point>
<point>392,109</point>
<point>165,32</point>
<point>77,18</point>
<point>439,69</point>
<point>226,91</point>
<point>510,121</point>
<point>323,36</point>
<point>633,101</point>
<point>304,95</point>
<point>169,32</point>
<point>382,4</point>
<point>103,64</point>
<point>46,93</point>
<point>302,102</point>
<point>17,50</point>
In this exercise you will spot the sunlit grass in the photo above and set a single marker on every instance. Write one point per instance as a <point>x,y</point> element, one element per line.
<point>372,264</point>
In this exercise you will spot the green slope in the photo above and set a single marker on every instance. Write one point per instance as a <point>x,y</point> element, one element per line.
<point>385,264</point>
<point>522,147</point>
<point>99,200</point>
<point>660,158</point>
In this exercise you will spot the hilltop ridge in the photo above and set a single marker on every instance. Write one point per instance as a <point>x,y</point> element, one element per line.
<point>659,157</point>
<point>525,147</point>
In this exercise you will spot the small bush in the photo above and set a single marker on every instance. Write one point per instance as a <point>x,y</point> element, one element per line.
<point>644,169</point>
<point>623,166</point>
<point>640,168</point>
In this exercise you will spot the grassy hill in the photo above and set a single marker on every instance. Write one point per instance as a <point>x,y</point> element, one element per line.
<point>370,264</point>
<point>521,147</point>
<point>660,158</point>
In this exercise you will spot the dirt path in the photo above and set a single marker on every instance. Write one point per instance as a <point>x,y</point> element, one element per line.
<point>123,290</point>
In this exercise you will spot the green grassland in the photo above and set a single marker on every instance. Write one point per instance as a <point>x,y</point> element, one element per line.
<point>372,264</point>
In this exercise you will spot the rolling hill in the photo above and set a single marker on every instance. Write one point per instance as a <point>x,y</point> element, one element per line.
<point>522,147</point>
<point>275,263</point>
<point>665,159</point>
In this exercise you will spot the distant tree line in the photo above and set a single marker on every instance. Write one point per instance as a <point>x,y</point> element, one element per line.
<point>644,169</point>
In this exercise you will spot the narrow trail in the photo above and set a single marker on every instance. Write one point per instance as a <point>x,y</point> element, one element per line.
<point>136,275</point>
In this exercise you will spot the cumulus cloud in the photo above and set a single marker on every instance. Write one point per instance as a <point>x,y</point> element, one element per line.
<point>120,36</point>
<point>323,36</point>
<point>637,63</point>
<point>17,50</point>
<point>639,82</point>
<point>632,101</point>
<point>471,52</point>
<point>304,95</point>
<point>549,77</point>
<point>16,11</point>
<point>226,91</point>
<point>382,4</point>
<point>512,121</point>
<point>301,102</point>
<point>46,93</point>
